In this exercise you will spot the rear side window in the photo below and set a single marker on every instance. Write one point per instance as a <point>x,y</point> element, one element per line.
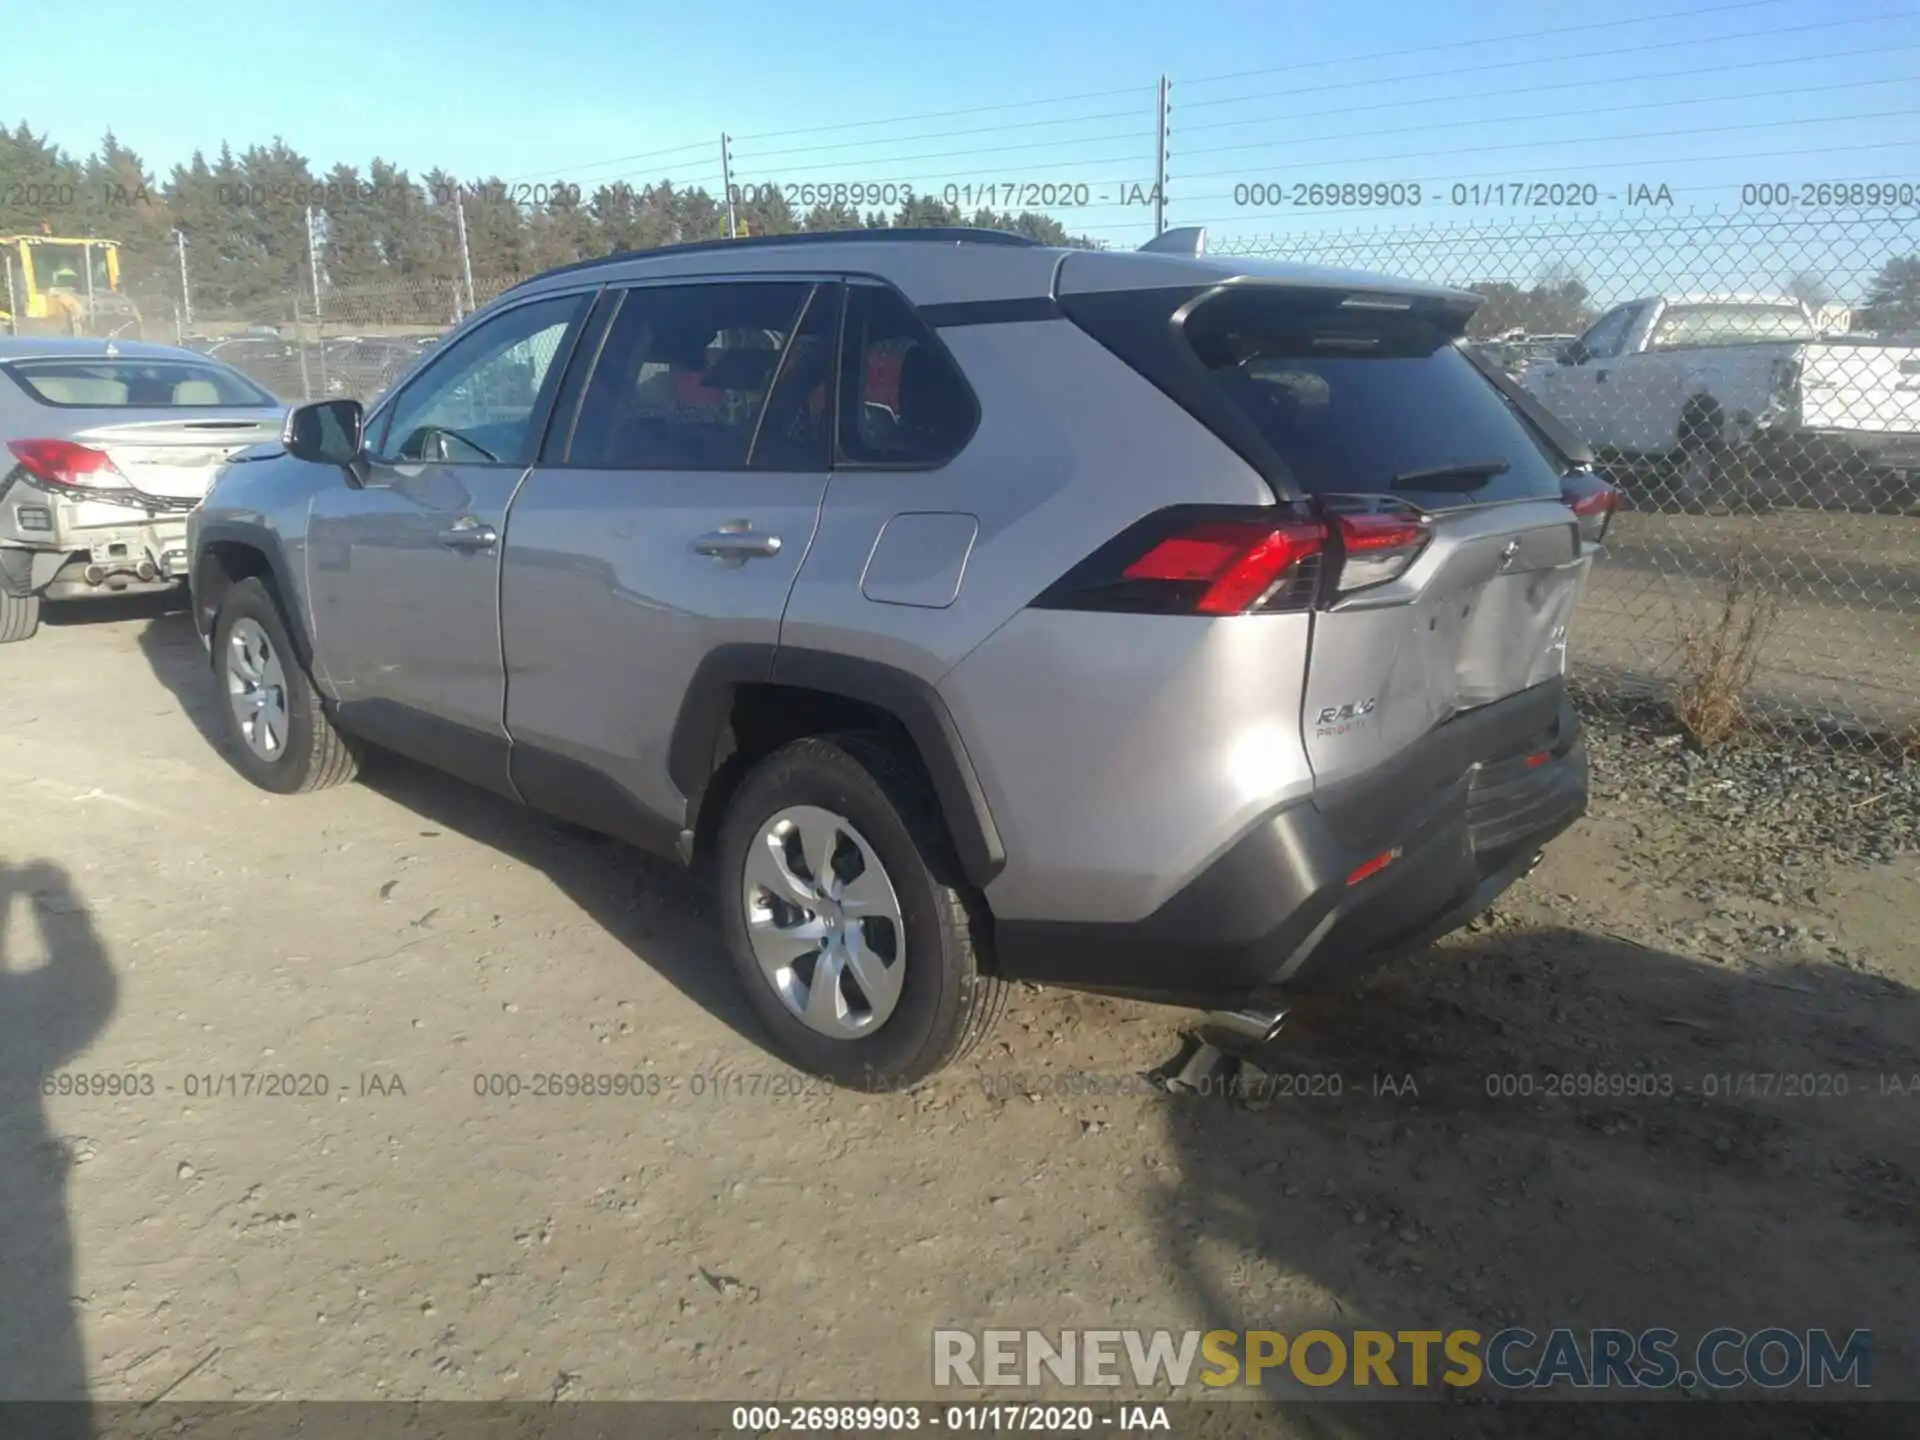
<point>1369,402</point>
<point>132,384</point>
<point>902,399</point>
<point>684,374</point>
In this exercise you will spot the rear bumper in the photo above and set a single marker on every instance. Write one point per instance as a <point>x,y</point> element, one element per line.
<point>145,555</point>
<point>1463,812</point>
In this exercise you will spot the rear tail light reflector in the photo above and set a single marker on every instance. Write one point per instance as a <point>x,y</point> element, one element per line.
<point>1377,548</point>
<point>67,465</point>
<point>1593,502</point>
<point>1200,560</point>
<point>1373,866</point>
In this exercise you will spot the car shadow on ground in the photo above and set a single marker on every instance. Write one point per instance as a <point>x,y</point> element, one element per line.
<point>179,661</point>
<point>57,991</point>
<point>1466,1175</point>
<point>651,906</point>
<point>106,609</point>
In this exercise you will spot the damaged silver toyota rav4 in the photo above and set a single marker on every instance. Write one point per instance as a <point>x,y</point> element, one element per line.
<point>1169,625</point>
<point>105,445</point>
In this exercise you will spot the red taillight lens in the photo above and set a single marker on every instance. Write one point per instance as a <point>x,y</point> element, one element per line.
<point>1236,562</point>
<point>1592,501</point>
<point>69,466</point>
<point>1377,548</point>
<point>1199,560</point>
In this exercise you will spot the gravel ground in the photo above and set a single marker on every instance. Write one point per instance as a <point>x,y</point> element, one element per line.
<point>1719,921</point>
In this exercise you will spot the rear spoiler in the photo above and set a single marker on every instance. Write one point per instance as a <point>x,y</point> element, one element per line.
<point>1549,426</point>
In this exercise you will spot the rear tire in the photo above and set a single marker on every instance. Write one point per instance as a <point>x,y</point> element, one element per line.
<point>19,616</point>
<point>19,603</point>
<point>925,930</point>
<point>286,743</point>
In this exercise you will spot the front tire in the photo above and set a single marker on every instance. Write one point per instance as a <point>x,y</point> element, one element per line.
<point>846,917</point>
<point>275,727</point>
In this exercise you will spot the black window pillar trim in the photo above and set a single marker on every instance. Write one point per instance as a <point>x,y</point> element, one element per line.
<point>693,754</point>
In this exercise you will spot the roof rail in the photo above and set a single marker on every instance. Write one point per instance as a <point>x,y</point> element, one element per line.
<point>948,235</point>
<point>1188,240</point>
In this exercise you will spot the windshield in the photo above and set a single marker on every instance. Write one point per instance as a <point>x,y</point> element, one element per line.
<point>133,384</point>
<point>63,267</point>
<point>1684,326</point>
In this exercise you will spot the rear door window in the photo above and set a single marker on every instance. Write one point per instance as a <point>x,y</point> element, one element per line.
<point>903,401</point>
<point>133,384</point>
<point>1368,402</point>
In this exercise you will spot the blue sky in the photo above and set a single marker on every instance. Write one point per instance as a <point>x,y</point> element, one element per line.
<point>1699,98</point>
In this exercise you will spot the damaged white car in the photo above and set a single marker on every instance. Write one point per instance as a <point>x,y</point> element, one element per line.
<point>105,445</point>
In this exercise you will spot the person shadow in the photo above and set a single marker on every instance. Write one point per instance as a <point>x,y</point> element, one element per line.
<point>55,996</point>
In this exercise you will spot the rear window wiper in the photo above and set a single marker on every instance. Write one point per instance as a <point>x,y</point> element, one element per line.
<point>1460,475</point>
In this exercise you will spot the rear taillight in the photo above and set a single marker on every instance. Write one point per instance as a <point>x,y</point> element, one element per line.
<point>64,465</point>
<point>1377,548</point>
<point>1592,501</point>
<point>1199,560</point>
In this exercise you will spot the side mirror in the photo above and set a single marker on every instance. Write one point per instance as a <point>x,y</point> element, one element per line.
<point>327,432</point>
<point>1573,354</point>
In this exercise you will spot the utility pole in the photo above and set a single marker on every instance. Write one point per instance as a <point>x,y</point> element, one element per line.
<point>1160,162</point>
<point>726,182</point>
<point>466,256</point>
<point>313,264</point>
<point>186,296</point>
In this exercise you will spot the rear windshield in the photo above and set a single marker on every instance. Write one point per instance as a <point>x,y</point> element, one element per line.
<point>1367,402</point>
<point>135,384</point>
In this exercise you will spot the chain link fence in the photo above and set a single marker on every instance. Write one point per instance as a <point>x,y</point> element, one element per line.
<point>1751,382</point>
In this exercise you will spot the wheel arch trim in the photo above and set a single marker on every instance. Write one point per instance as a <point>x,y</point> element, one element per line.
<point>693,751</point>
<point>267,543</point>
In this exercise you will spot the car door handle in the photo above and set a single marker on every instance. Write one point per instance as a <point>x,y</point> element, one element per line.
<point>467,533</point>
<point>1599,377</point>
<point>737,541</point>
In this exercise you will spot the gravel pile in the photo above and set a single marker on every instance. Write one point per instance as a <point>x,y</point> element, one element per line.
<point>1783,807</point>
<point>1754,833</point>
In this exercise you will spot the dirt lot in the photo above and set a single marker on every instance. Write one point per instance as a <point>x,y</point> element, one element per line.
<point>402,1236</point>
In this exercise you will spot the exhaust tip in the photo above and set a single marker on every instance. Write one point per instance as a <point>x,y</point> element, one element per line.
<point>1259,1026</point>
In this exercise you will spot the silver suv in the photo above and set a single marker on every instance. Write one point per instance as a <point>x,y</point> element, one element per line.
<point>970,610</point>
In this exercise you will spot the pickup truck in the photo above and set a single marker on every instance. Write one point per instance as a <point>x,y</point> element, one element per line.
<point>1741,399</point>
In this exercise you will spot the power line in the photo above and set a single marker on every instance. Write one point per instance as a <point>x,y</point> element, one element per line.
<point>1487,40</point>
<point>946,134</point>
<point>1582,115</point>
<point>952,154</point>
<point>1588,140</point>
<point>1602,165</point>
<point>596,164</point>
<point>1561,85</point>
<point>948,114</point>
<point>1559,59</point>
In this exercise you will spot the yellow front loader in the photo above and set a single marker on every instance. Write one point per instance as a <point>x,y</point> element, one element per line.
<point>59,285</point>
